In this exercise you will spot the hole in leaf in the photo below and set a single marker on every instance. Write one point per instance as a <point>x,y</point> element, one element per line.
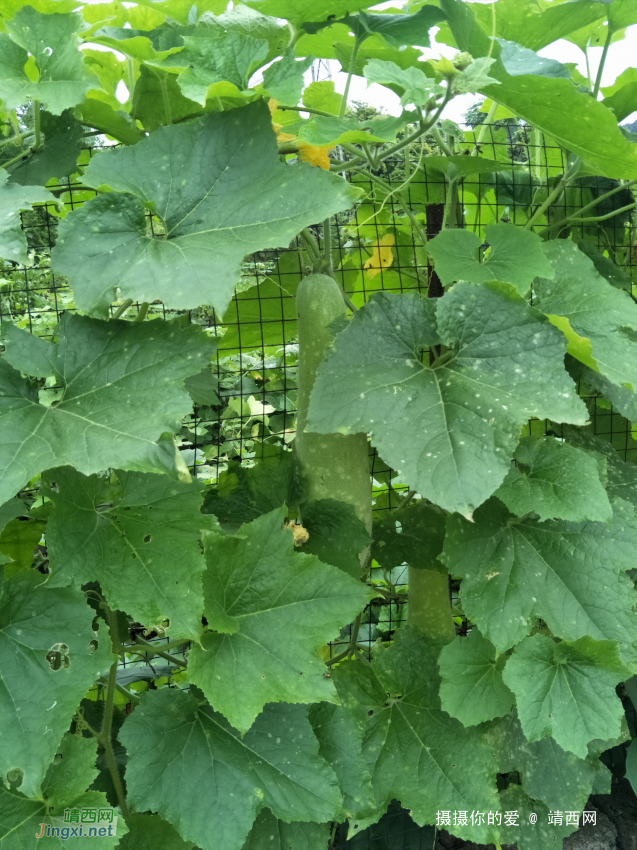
<point>58,657</point>
<point>147,539</point>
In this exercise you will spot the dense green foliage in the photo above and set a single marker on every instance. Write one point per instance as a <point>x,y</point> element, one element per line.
<point>209,145</point>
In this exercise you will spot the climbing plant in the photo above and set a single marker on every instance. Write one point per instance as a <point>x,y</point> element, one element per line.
<point>476,385</point>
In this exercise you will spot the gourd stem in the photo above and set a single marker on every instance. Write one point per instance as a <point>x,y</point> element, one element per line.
<point>429,608</point>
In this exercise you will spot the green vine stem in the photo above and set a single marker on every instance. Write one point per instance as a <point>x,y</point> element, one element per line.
<point>624,185</point>
<point>143,310</point>
<point>123,307</point>
<point>36,124</point>
<point>569,174</point>
<point>602,62</point>
<point>429,608</point>
<point>165,99</point>
<point>105,739</point>
<point>165,655</point>
<point>350,73</point>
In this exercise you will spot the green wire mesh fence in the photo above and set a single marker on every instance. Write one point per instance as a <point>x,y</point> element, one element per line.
<point>245,403</point>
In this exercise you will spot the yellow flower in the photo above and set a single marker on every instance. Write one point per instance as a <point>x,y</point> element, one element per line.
<point>382,255</point>
<point>315,155</point>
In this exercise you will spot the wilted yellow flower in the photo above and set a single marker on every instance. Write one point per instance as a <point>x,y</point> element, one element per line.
<point>382,255</point>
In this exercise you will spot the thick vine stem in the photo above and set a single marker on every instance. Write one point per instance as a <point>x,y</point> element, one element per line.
<point>602,62</point>
<point>36,119</point>
<point>429,608</point>
<point>143,310</point>
<point>105,739</point>
<point>350,73</point>
<point>569,174</point>
<point>625,185</point>
<point>123,307</point>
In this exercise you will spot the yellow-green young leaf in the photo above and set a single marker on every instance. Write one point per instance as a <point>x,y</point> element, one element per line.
<point>526,834</point>
<point>415,752</point>
<point>264,314</point>
<point>50,656</point>
<point>218,192</point>
<point>574,119</point>
<point>269,609</point>
<point>150,832</point>
<point>449,429</point>
<point>558,778</point>
<point>17,544</point>
<point>595,310</point>
<point>268,833</point>
<point>174,741</point>
<point>567,690</point>
<point>515,256</point>
<point>472,688</point>
<point>569,574</point>
<point>52,40</point>
<point>555,481</point>
<point>8,513</point>
<point>415,87</point>
<point>122,389</point>
<point>621,97</point>
<point>135,534</point>
<point>13,199</point>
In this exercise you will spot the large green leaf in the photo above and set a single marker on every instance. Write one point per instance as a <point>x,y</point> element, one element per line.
<point>528,834</point>
<point>175,741</point>
<point>243,493</point>
<point>52,40</point>
<point>472,688</point>
<point>411,535</point>
<point>519,60</point>
<point>567,690</point>
<point>23,818</point>
<point>396,30</point>
<point>336,535</point>
<point>268,833</point>
<point>138,536</point>
<point>230,57</point>
<point>62,141</point>
<point>558,778</point>
<point>515,256</point>
<point>13,199</point>
<point>555,481</point>
<point>150,832</point>
<point>220,193</point>
<point>595,310</point>
<point>271,609</point>
<point>122,388</point>
<point>569,574</point>
<point>8,513</point>
<point>575,120</point>
<point>535,27</point>
<point>73,770</point>
<point>449,429</point>
<point>158,100</point>
<point>340,733</point>
<point>18,542</point>
<point>621,475</point>
<point>299,11</point>
<point>49,661</point>
<point>284,80</point>
<point>415,752</point>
